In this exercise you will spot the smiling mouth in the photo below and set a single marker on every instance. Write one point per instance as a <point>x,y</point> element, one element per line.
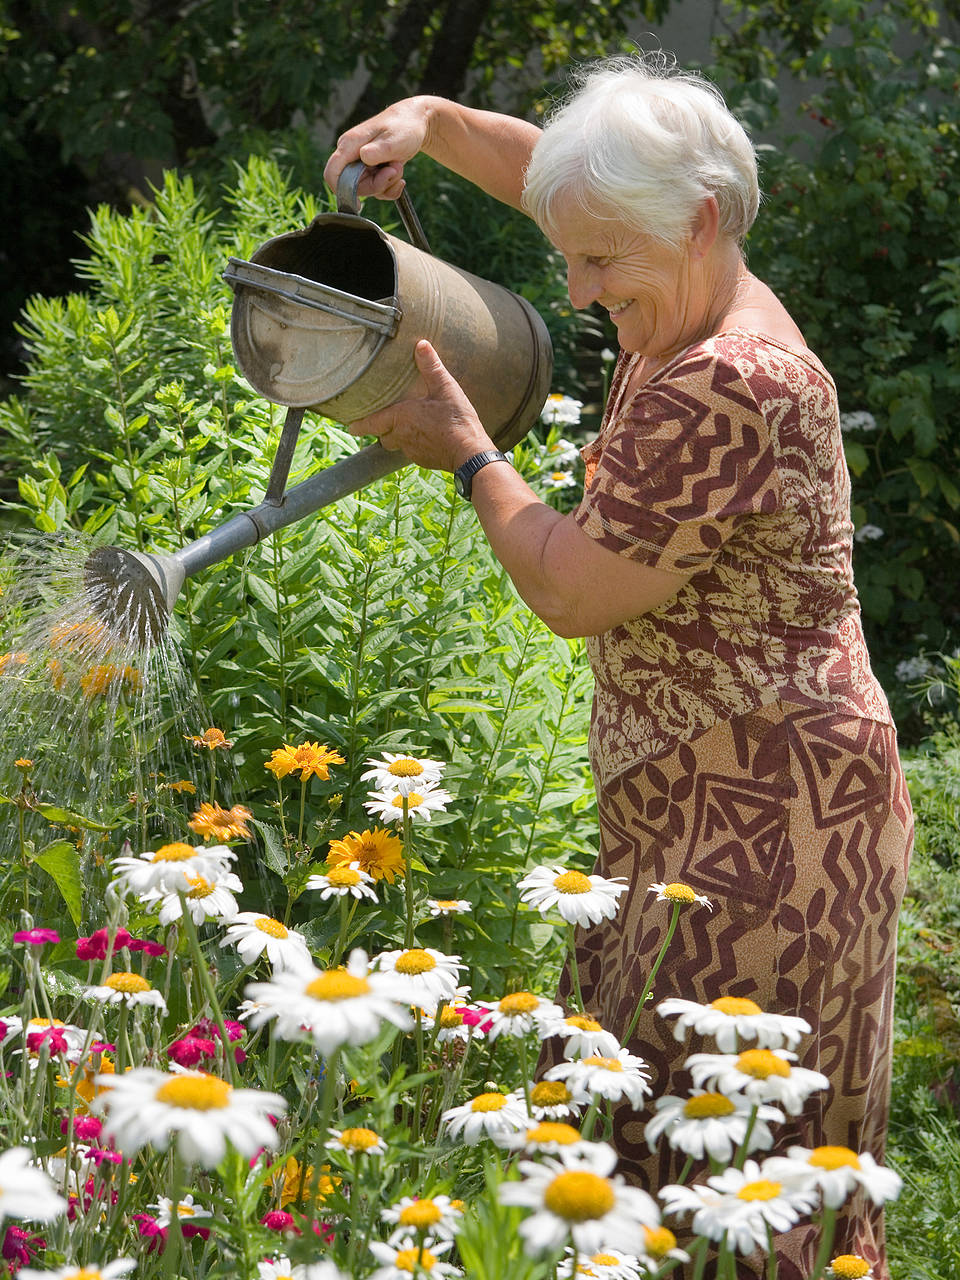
<point>620,307</point>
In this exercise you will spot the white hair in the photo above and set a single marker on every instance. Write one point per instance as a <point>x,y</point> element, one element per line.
<point>642,142</point>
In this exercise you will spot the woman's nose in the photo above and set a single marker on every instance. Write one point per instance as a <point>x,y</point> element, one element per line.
<point>583,284</point>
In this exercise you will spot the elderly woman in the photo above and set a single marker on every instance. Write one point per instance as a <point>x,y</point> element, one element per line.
<point>739,741</point>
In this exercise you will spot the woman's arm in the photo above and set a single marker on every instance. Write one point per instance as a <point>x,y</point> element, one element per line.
<point>576,586</point>
<point>488,149</point>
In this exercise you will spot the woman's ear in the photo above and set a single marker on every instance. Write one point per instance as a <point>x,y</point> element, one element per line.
<point>706,227</point>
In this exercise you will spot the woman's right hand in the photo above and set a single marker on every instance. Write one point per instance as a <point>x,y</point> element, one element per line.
<point>384,143</point>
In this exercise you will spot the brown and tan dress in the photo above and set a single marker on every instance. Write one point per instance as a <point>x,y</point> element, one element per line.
<point>740,744</point>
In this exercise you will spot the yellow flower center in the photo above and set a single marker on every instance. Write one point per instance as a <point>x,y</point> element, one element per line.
<point>572,882</point>
<point>608,1064</point>
<point>849,1266</point>
<point>762,1189</point>
<point>177,852</point>
<point>415,961</point>
<point>127,982</point>
<point>706,1105</point>
<point>343,877</point>
<point>199,887</point>
<point>761,1063</point>
<point>337,984</point>
<point>406,767</point>
<point>488,1102</point>
<point>735,1006</point>
<point>195,1093</point>
<point>678,892</point>
<point>604,1260</point>
<point>447,904</point>
<point>420,1215</point>
<point>518,1002</point>
<point>413,1259</point>
<point>185,1210</point>
<point>583,1023</point>
<point>579,1196</point>
<point>450,1017</point>
<point>550,1093</point>
<point>84,1273</point>
<point>272,928</point>
<point>834,1158</point>
<point>413,798</point>
<point>359,1139</point>
<point>553,1131</point>
<point>659,1241</point>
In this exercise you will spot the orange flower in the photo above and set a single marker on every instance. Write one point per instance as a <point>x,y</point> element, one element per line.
<point>211,738</point>
<point>57,677</point>
<point>310,758</point>
<point>86,1090</point>
<point>221,824</point>
<point>378,852</point>
<point>15,659</point>
<point>183,785</point>
<point>297,1180</point>
<point>78,635</point>
<point>99,679</point>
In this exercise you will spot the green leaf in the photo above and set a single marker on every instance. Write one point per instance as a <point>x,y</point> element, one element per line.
<point>275,856</point>
<point>54,813</point>
<point>61,861</point>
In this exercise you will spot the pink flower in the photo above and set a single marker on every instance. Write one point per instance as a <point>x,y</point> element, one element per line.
<point>207,1027</point>
<point>95,946</point>
<point>150,1229</point>
<point>57,1040</point>
<point>188,1051</point>
<point>475,1018</point>
<point>279,1220</point>
<point>36,937</point>
<point>103,1046</point>
<point>4,1028</point>
<point>85,1128</point>
<point>19,1247</point>
<point>144,944</point>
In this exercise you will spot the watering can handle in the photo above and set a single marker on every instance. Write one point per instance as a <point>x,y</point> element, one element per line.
<point>349,202</point>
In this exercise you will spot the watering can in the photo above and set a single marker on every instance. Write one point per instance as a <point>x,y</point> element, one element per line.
<point>327,318</point>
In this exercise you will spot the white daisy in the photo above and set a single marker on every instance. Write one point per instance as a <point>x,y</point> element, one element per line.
<point>345,880</point>
<point>281,1268</point>
<point>187,1210</point>
<point>552,1100</point>
<point>206,898</point>
<point>388,806</point>
<point>98,1271</point>
<point>167,868</point>
<point>421,976</point>
<point>711,1124</point>
<point>437,1216</point>
<point>582,1036</point>
<point>146,1106</point>
<point>400,1261</point>
<point>448,906</point>
<point>738,1205</point>
<point>126,988</point>
<point>836,1172</point>
<point>561,410</point>
<point>253,934</point>
<point>608,1264</point>
<point>579,1202</point>
<point>551,1138</point>
<point>561,453</point>
<point>26,1191</point>
<point>402,773</point>
<point>331,1007</point>
<point>488,1115</point>
<point>558,480</point>
<point>660,1244</point>
<point>731,1016</point>
<point>520,1013</point>
<point>453,1025</point>
<point>849,1266</point>
<point>578,898</point>
<point>622,1075</point>
<point>762,1075</point>
<point>679,893</point>
<point>356,1142</point>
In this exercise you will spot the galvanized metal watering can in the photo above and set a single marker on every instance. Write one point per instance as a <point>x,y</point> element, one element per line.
<point>327,318</point>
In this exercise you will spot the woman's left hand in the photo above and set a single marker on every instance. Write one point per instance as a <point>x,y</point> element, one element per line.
<point>439,430</point>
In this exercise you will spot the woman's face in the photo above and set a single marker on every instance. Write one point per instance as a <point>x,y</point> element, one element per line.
<point>649,290</point>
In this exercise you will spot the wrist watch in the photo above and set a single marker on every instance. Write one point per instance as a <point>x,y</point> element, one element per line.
<point>463,476</point>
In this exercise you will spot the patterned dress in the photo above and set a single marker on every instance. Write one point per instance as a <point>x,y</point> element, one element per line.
<point>740,744</point>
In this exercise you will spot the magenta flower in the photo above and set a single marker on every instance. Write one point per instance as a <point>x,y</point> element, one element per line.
<point>145,945</point>
<point>279,1220</point>
<point>86,1128</point>
<point>57,1040</point>
<point>95,946</point>
<point>188,1051</point>
<point>36,937</point>
<point>19,1247</point>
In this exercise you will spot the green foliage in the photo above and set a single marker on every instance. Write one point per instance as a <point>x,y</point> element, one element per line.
<point>385,624</point>
<point>858,236</point>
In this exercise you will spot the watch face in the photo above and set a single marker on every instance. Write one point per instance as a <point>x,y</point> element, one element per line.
<point>460,484</point>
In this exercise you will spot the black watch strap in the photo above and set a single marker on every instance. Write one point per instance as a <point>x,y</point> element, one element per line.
<point>463,476</point>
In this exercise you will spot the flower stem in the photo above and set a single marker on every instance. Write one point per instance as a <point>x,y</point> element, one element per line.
<point>745,1144</point>
<point>828,1223</point>
<point>574,967</point>
<point>209,990</point>
<point>410,931</point>
<point>671,929</point>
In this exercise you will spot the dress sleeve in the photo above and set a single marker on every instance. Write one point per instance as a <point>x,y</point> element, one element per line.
<point>680,468</point>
